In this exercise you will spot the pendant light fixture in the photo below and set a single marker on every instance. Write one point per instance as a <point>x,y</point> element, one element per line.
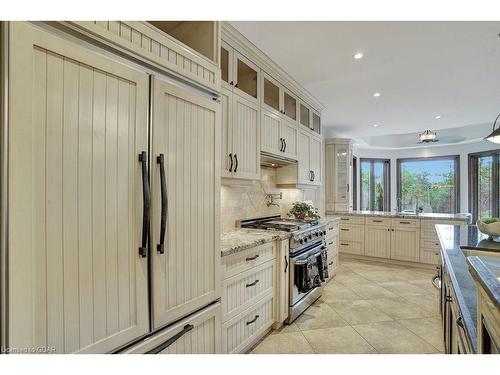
<point>428,136</point>
<point>495,134</point>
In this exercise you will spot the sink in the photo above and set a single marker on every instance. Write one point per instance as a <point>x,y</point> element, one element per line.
<point>406,213</point>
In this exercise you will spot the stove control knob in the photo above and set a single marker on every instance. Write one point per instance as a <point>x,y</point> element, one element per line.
<point>305,239</point>
<point>324,233</point>
<point>310,236</point>
<point>301,241</point>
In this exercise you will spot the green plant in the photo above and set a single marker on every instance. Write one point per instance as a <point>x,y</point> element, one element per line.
<point>303,210</point>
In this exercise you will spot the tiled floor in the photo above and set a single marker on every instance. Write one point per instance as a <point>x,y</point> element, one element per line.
<point>369,307</point>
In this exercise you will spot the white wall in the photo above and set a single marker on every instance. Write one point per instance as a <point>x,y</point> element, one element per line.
<point>393,155</point>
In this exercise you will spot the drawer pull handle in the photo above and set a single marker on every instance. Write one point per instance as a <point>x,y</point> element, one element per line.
<point>166,344</point>
<point>404,222</point>
<point>344,219</point>
<point>344,244</point>
<point>378,221</point>
<point>252,258</point>
<point>252,284</point>
<point>345,230</point>
<point>253,320</point>
<point>330,263</point>
<point>330,243</point>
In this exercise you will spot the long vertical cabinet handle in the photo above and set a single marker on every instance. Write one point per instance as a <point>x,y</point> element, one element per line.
<point>231,166</point>
<point>146,206</point>
<point>236,160</point>
<point>164,204</point>
<point>284,142</point>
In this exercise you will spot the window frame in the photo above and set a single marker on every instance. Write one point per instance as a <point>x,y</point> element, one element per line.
<point>473,181</point>
<point>355,183</point>
<point>387,184</point>
<point>455,158</point>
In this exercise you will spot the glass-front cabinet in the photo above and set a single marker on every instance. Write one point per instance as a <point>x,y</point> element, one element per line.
<point>238,73</point>
<point>338,174</point>
<point>316,123</point>
<point>305,116</point>
<point>277,98</point>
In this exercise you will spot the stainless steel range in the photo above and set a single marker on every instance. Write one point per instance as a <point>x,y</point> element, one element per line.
<point>307,253</point>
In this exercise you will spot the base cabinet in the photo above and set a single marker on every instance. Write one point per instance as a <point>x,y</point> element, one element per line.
<point>378,241</point>
<point>405,244</point>
<point>198,334</point>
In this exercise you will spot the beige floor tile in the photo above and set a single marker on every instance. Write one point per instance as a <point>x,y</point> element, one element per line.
<point>427,302</point>
<point>399,308</point>
<point>334,292</point>
<point>425,286</point>
<point>340,340</point>
<point>402,288</point>
<point>284,343</point>
<point>429,329</point>
<point>392,337</point>
<point>357,312</point>
<point>380,276</point>
<point>319,315</point>
<point>372,291</point>
<point>351,278</point>
<point>286,328</point>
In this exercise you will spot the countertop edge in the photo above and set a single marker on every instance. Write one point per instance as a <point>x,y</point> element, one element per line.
<point>450,217</point>
<point>486,278</point>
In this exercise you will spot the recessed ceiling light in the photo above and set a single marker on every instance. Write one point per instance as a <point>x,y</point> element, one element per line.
<point>438,117</point>
<point>375,125</point>
<point>377,94</point>
<point>358,55</point>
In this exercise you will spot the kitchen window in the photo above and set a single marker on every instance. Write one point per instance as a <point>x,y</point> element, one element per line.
<point>375,185</point>
<point>431,183</point>
<point>484,181</point>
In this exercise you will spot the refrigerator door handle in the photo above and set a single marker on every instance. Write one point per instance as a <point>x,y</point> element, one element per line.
<point>146,208</point>
<point>164,204</point>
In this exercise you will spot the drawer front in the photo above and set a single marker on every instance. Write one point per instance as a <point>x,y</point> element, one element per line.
<point>352,220</point>
<point>332,242</point>
<point>240,332</point>
<point>413,223</point>
<point>351,247</point>
<point>382,221</point>
<point>429,256</point>
<point>241,291</point>
<point>332,229</point>
<point>198,334</point>
<point>430,224</point>
<point>430,244</point>
<point>351,232</point>
<point>244,260</point>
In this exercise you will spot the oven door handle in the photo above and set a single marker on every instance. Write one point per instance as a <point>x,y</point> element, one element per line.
<point>304,261</point>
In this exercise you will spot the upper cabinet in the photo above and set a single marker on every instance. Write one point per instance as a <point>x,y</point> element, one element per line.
<point>277,98</point>
<point>201,36</point>
<point>310,118</point>
<point>316,122</point>
<point>187,48</point>
<point>239,74</point>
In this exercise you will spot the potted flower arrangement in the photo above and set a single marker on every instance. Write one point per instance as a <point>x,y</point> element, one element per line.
<point>303,211</point>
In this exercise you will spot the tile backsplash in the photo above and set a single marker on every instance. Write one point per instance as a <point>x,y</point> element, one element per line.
<point>248,200</point>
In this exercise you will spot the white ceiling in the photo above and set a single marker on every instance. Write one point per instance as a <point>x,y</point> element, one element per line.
<point>421,69</point>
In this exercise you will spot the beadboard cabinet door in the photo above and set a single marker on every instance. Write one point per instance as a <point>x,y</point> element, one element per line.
<point>378,241</point>
<point>405,244</point>
<point>78,121</point>
<point>316,160</point>
<point>186,134</point>
<point>304,158</point>
<point>270,139</point>
<point>288,131</point>
<point>246,138</point>
<point>226,104</point>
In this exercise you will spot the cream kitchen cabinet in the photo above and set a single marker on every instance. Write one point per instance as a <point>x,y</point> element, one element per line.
<point>240,137</point>
<point>378,241</point>
<point>307,172</point>
<point>338,174</point>
<point>186,161</point>
<point>278,99</point>
<point>278,136</point>
<point>78,273</point>
<point>405,239</point>
<point>239,74</point>
<point>282,282</point>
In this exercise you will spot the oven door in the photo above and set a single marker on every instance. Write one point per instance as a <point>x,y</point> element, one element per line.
<point>298,265</point>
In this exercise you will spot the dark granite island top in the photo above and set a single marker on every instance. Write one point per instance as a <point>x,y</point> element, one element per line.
<point>456,241</point>
<point>486,269</point>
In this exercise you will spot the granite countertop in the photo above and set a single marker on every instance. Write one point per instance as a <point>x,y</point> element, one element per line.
<point>328,219</point>
<point>425,216</point>
<point>486,269</point>
<point>457,241</point>
<point>239,239</point>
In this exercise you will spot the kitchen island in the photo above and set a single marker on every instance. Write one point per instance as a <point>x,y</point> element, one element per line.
<point>459,307</point>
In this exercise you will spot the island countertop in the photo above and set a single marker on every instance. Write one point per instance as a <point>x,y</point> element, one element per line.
<point>486,269</point>
<point>401,215</point>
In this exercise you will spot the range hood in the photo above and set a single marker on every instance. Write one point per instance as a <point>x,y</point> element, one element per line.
<point>270,160</point>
